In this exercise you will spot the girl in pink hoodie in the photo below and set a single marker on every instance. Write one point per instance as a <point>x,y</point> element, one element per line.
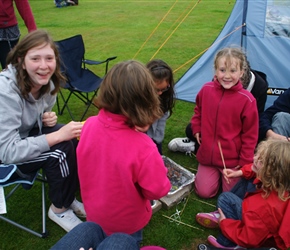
<point>119,167</point>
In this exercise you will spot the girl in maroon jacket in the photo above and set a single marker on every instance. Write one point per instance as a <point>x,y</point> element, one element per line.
<point>225,124</point>
<point>9,30</point>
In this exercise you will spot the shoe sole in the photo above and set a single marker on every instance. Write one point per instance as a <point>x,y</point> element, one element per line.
<point>207,222</point>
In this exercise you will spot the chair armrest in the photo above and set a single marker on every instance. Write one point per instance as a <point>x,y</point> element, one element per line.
<point>7,178</point>
<point>93,62</point>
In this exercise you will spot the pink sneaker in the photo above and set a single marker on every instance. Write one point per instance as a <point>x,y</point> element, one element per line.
<point>213,241</point>
<point>208,220</point>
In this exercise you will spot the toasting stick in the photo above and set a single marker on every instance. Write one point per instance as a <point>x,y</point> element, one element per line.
<point>223,160</point>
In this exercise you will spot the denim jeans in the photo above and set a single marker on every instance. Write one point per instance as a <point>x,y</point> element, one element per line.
<point>138,236</point>
<point>91,235</point>
<point>231,205</point>
<point>280,123</point>
<point>243,186</point>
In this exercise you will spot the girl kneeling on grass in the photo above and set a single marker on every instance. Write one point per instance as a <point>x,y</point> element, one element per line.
<point>225,116</point>
<point>261,218</point>
<point>120,168</point>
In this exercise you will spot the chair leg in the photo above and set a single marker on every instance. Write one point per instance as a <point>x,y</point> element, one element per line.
<point>81,96</point>
<point>57,104</point>
<point>44,232</point>
<point>65,101</point>
<point>12,191</point>
<point>89,103</point>
<point>22,227</point>
<point>87,108</point>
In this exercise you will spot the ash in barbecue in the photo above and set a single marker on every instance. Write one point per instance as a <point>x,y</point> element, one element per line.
<point>175,175</point>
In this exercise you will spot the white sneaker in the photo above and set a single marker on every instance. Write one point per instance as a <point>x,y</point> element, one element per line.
<point>67,220</point>
<point>71,2</point>
<point>184,145</point>
<point>78,208</point>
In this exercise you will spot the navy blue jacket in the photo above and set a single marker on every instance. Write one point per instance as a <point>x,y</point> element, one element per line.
<point>281,104</point>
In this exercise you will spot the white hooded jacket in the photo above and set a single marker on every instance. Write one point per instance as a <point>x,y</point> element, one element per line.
<point>17,117</point>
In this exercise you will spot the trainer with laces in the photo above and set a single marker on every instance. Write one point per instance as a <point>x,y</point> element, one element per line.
<point>68,218</point>
<point>187,145</point>
<point>184,145</point>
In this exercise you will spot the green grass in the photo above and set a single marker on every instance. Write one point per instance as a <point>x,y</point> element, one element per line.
<point>120,28</point>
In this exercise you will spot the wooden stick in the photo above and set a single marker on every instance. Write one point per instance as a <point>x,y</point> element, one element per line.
<point>222,156</point>
<point>223,160</point>
<point>181,222</point>
<point>204,202</point>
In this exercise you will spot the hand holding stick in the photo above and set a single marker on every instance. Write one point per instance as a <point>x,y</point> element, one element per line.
<point>223,160</point>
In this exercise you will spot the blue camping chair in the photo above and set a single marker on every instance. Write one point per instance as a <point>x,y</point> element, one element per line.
<point>81,82</point>
<point>11,175</point>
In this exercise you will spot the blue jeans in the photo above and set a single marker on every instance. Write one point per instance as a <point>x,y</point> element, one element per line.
<point>280,123</point>
<point>138,236</point>
<point>91,235</point>
<point>231,205</point>
<point>243,186</point>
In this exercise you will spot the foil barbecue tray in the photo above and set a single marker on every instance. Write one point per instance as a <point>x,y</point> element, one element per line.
<point>178,175</point>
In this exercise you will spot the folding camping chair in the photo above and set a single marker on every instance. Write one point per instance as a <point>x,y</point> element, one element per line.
<point>81,81</point>
<point>11,175</point>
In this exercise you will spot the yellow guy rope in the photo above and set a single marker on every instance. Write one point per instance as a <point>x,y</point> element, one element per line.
<point>175,29</point>
<point>236,29</point>
<point>176,21</point>
<point>155,29</point>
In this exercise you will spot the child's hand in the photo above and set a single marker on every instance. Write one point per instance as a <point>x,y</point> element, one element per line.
<point>49,119</point>
<point>222,216</point>
<point>197,137</point>
<point>71,130</point>
<point>230,173</point>
<point>227,179</point>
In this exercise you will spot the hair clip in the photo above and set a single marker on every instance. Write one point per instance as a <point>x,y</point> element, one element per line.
<point>158,68</point>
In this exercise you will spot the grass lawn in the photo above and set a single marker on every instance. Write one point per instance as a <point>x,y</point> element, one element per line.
<point>175,31</point>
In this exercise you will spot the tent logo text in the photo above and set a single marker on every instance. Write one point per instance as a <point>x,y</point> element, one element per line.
<point>275,91</point>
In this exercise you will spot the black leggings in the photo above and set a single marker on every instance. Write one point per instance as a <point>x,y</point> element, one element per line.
<point>60,167</point>
<point>5,47</point>
<point>189,134</point>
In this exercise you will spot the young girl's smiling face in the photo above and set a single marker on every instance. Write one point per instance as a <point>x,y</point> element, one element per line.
<point>228,72</point>
<point>40,64</point>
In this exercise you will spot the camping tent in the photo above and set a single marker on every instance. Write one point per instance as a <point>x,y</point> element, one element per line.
<point>262,28</point>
